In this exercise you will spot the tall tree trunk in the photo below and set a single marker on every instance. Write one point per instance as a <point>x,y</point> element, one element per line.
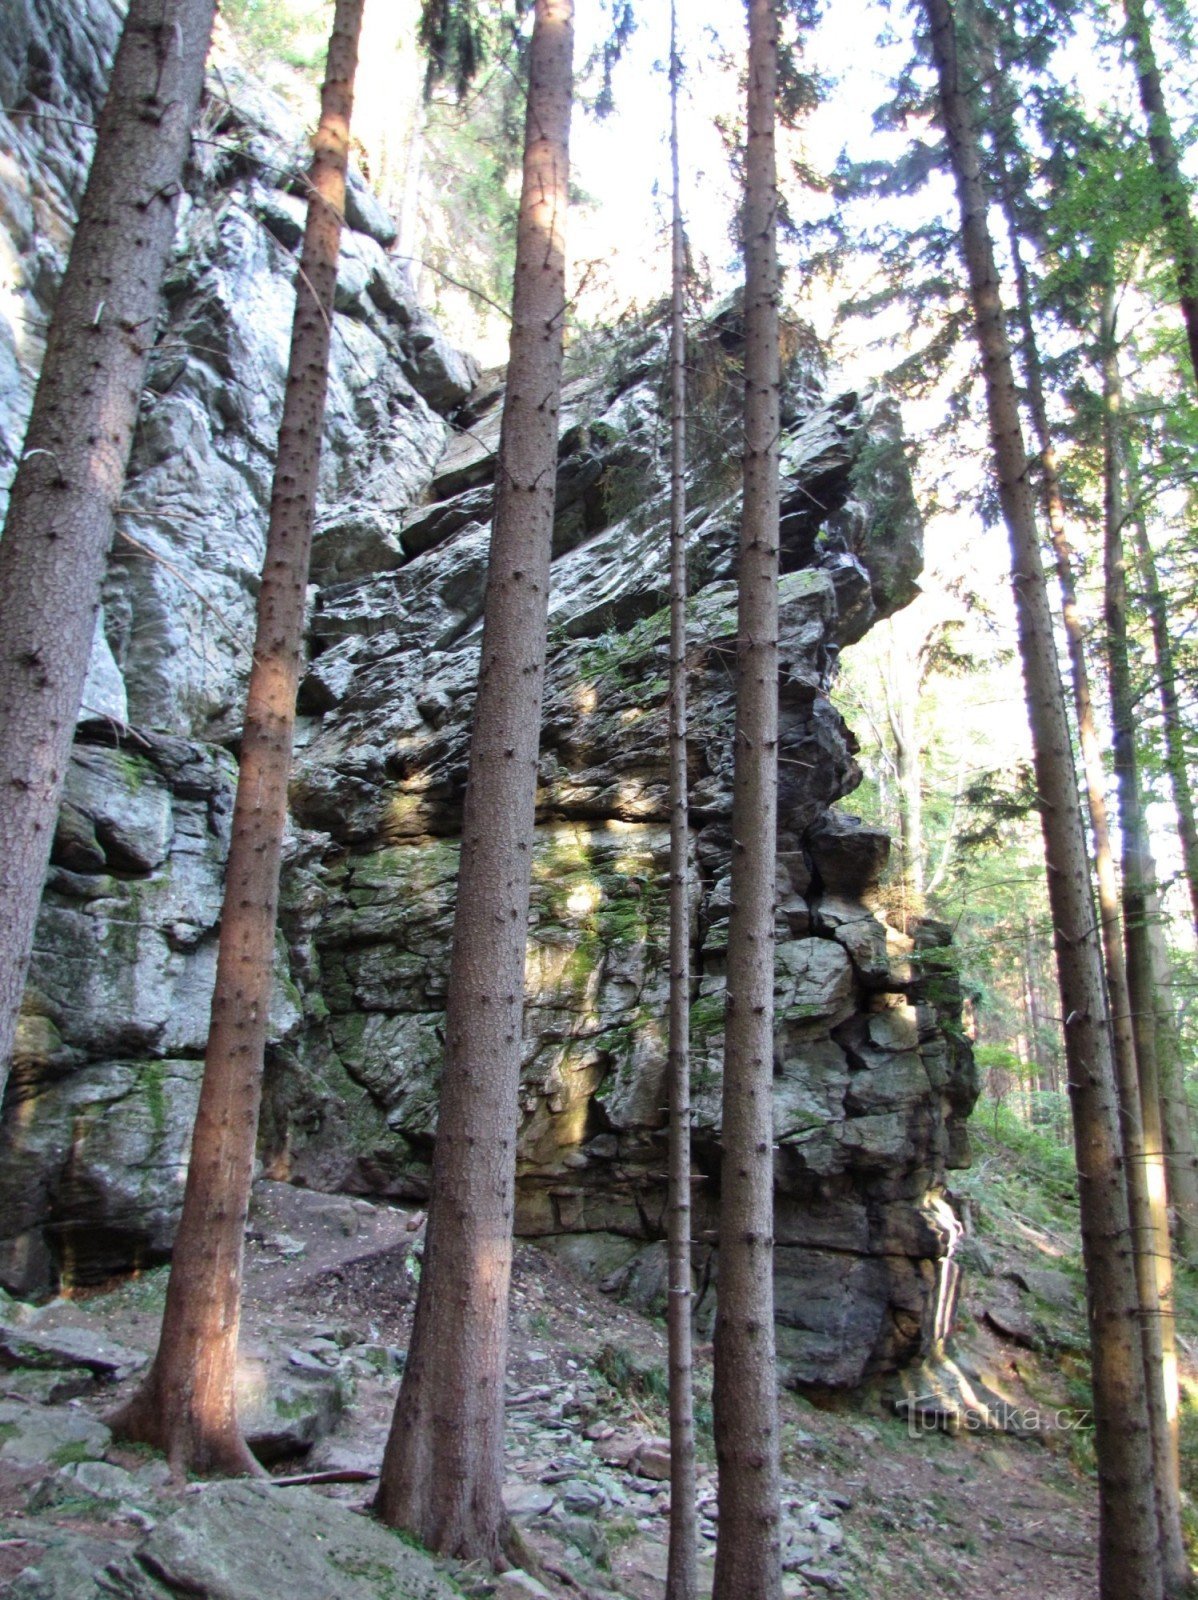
<point>681,1575</point>
<point>442,1472</point>
<point>1176,1116</point>
<point>1174,197</point>
<point>908,772</point>
<point>1171,717</point>
<point>1129,1562</point>
<point>187,1405</point>
<point>1132,1012</point>
<point>72,468</point>
<point>1031,1004</point>
<point>748,1564</point>
<point>1142,1116</point>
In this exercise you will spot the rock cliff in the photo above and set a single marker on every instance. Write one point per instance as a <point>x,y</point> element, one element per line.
<point>873,1077</point>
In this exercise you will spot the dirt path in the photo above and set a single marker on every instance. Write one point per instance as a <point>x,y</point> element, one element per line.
<point>870,1510</point>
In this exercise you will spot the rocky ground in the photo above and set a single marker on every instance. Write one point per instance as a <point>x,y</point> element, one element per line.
<point>868,1507</point>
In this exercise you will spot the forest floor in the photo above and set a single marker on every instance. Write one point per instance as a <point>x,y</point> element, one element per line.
<point>873,1504</point>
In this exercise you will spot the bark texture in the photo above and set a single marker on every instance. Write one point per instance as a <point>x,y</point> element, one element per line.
<point>443,1469</point>
<point>1143,1134</point>
<point>748,1565</point>
<point>187,1406</point>
<point>1180,232</point>
<point>681,1574</point>
<point>1129,1559</point>
<point>72,469</point>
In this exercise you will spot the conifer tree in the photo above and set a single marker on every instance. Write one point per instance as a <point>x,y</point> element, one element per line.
<point>1178,219</point>
<point>681,1576</point>
<point>1129,1556</point>
<point>187,1404</point>
<point>1131,1012</point>
<point>1145,1142</point>
<point>72,467</point>
<point>748,1564</point>
<point>442,1474</point>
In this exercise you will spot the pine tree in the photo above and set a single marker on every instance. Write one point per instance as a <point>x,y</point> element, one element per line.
<point>748,1564</point>
<point>187,1404</point>
<point>1129,1559</point>
<point>681,1576</point>
<point>442,1474</point>
<point>72,468</point>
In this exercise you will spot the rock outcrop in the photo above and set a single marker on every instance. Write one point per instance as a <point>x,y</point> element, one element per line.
<point>873,1077</point>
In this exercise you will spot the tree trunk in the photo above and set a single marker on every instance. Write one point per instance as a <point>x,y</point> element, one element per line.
<point>1180,232</point>
<point>72,468</point>
<point>1173,724</point>
<point>1144,1139</point>
<point>1132,1010</point>
<point>1129,1562</point>
<point>748,1565</point>
<point>1031,1005</point>
<point>187,1405</point>
<point>908,772</point>
<point>443,1468</point>
<point>1176,1115</point>
<point>681,1576</point>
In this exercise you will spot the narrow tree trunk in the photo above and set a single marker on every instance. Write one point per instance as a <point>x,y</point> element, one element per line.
<point>681,1575</point>
<point>1174,198</point>
<point>443,1469</point>
<point>1173,725</point>
<point>72,467</point>
<point>1132,1015</point>
<point>1031,1004</point>
<point>909,783</point>
<point>1129,1562</point>
<point>1145,1141</point>
<point>748,1565</point>
<point>187,1405</point>
<point>1176,1116</point>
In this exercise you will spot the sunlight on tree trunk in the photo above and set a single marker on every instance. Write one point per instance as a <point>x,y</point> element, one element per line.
<point>1143,1134</point>
<point>1129,1561</point>
<point>442,1475</point>
<point>187,1404</point>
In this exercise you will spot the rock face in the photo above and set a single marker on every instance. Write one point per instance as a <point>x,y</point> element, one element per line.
<point>873,1078</point>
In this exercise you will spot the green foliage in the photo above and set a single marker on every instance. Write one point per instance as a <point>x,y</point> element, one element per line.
<point>293,32</point>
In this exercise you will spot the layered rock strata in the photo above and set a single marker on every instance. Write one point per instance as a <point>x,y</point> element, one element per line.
<point>873,1078</point>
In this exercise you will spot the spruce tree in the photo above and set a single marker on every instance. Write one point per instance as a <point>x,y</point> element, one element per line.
<point>748,1563</point>
<point>71,470</point>
<point>187,1403</point>
<point>1173,195</point>
<point>1129,1556</point>
<point>681,1577</point>
<point>442,1476</point>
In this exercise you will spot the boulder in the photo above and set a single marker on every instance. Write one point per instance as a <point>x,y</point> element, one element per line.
<point>30,1434</point>
<point>69,1347</point>
<point>249,1541</point>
